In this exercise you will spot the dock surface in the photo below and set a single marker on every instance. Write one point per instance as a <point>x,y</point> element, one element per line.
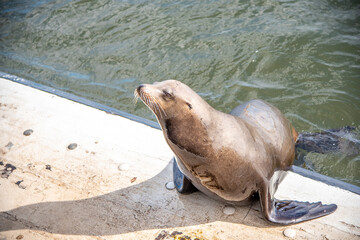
<point>70,171</point>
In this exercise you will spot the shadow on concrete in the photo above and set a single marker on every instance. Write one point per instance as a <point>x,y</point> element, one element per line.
<point>148,205</point>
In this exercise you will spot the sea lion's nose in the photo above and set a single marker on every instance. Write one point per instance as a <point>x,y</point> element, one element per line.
<point>139,88</point>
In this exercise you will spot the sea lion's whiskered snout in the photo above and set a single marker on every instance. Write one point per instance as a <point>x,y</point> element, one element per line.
<point>149,100</point>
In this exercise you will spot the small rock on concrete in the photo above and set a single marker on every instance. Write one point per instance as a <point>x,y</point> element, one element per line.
<point>229,210</point>
<point>72,146</point>
<point>170,185</point>
<point>123,167</point>
<point>28,132</point>
<point>290,233</point>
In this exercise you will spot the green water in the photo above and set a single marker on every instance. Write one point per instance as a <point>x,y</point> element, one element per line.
<point>301,56</point>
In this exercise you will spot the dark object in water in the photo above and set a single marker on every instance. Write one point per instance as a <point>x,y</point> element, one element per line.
<point>332,140</point>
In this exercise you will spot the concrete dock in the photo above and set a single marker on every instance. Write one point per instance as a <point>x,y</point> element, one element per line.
<point>71,171</point>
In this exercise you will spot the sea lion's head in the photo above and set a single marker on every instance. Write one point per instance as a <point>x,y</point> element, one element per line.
<point>181,113</point>
<point>169,99</point>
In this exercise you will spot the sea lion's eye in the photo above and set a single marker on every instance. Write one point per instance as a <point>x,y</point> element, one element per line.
<point>189,105</point>
<point>167,94</point>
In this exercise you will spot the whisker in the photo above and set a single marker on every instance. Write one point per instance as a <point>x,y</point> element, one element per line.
<point>136,97</point>
<point>160,109</point>
<point>150,101</point>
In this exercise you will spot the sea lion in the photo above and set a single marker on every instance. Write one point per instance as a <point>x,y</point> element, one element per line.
<point>229,157</point>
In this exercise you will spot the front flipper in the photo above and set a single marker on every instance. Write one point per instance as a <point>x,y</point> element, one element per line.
<point>290,212</point>
<point>182,183</point>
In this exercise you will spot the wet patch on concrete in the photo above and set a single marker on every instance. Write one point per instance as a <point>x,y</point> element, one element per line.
<point>8,169</point>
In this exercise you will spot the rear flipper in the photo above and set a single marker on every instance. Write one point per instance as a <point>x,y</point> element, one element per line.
<point>290,212</point>
<point>182,183</point>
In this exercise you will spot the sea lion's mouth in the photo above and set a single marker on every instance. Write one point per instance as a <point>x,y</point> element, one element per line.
<point>146,97</point>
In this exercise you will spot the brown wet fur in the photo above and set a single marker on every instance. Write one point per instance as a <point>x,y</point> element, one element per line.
<point>295,134</point>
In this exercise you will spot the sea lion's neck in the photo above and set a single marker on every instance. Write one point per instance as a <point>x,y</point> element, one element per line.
<point>189,132</point>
